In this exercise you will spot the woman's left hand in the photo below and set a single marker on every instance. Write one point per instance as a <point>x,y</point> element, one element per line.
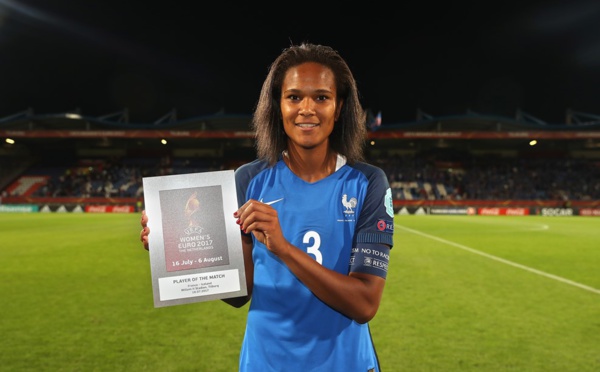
<point>262,221</point>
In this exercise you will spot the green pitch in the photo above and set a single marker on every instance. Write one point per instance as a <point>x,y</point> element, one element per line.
<point>464,293</point>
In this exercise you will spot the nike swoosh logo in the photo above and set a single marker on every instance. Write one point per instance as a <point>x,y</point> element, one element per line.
<point>272,202</point>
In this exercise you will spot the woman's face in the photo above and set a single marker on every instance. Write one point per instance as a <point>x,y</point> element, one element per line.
<point>309,105</point>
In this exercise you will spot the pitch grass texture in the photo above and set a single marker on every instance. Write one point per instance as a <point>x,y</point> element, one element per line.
<point>464,293</point>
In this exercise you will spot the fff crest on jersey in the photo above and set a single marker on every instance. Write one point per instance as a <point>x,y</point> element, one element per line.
<point>349,204</point>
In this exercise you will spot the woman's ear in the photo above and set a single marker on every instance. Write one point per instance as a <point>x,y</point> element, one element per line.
<point>338,109</point>
<point>277,109</point>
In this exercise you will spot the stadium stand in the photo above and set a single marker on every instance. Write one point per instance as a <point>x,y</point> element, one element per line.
<point>454,159</point>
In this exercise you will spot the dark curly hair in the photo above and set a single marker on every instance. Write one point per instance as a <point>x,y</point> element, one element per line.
<point>349,133</point>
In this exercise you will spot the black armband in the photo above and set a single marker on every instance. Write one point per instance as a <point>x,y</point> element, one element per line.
<point>370,259</point>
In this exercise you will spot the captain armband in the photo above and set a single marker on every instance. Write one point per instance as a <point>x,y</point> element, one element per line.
<point>370,259</point>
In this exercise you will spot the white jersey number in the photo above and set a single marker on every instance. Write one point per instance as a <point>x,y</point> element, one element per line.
<point>316,244</point>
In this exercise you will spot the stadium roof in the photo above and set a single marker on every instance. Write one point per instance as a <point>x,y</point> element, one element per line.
<point>471,121</point>
<point>471,130</point>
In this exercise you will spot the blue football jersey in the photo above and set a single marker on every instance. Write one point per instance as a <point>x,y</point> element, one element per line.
<point>288,328</point>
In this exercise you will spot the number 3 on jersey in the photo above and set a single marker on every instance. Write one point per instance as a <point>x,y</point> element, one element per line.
<point>313,240</point>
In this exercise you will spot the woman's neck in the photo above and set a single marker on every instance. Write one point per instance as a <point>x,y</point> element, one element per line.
<point>311,165</point>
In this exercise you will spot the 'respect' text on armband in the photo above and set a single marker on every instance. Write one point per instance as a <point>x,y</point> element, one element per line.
<point>372,259</point>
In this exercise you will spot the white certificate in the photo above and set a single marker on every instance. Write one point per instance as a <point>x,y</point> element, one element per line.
<point>195,243</point>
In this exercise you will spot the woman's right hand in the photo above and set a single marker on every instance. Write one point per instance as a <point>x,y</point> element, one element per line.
<point>145,230</point>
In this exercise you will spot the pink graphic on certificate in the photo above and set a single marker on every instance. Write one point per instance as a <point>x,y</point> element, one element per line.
<point>194,228</point>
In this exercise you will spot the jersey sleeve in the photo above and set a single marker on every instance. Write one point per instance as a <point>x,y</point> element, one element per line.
<point>243,177</point>
<point>376,220</point>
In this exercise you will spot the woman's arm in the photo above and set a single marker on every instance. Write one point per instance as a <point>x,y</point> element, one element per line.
<point>356,295</point>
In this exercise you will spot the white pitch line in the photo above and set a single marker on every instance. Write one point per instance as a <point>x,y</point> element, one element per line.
<point>495,258</point>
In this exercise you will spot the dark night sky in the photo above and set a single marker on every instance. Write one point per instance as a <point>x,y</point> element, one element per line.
<point>151,57</point>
